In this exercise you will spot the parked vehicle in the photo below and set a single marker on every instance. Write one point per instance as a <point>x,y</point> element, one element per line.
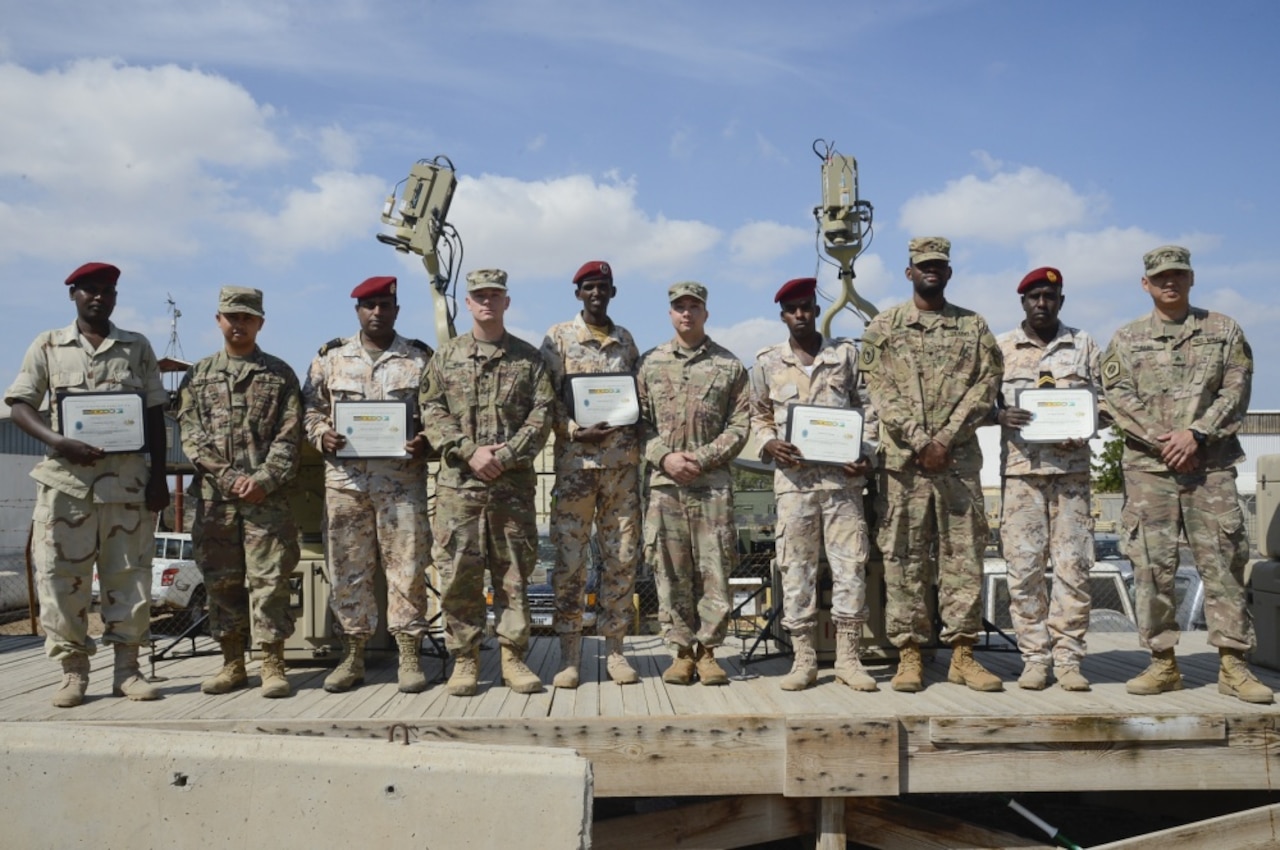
<point>177,586</point>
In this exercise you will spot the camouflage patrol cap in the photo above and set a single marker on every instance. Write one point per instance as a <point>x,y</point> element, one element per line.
<point>687,287</point>
<point>486,279</point>
<point>240,299</point>
<point>1164,258</point>
<point>926,248</point>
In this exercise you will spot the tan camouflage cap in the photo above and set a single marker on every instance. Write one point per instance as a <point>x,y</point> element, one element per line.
<point>926,248</point>
<point>240,299</point>
<point>687,287</point>
<point>1164,258</point>
<point>486,279</point>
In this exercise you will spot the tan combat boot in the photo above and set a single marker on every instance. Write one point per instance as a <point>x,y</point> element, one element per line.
<point>681,670</point>
<point>232,675</point>
<point>620,670</point>
<point>1161,675</point>
<point>75,681</point>
<point>275,684</point>
<point>967,670</point>
<point>516,675</point>
<point>410,677</point>
<point>466,673</point>
<point>350,670</point>
<point>849,667</point>
<point>1071,679</point>
<point>709,670</point>
<point>570,659</point>
<point>804,669</point>
<point>1035,676</point>
<point>128,680</point>
<point>1235,679</point>
<point>910,676</point>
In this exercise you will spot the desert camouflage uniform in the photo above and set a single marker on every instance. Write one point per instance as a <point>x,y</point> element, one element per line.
<point>243,416</point>
<point>697,401</point>
<point>92,513</point>
<point>1161,377</point>
<point>931,376</point>
<point>817,504</point>
<point>375,509</point>
<point>470,399</point>
<point>1045,507</point>
<point>595,483</point>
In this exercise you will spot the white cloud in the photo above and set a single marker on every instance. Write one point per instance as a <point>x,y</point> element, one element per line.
<point>747,337</point>
<point>339,148</point>
<point>761,242</point>
<point>336,211</point>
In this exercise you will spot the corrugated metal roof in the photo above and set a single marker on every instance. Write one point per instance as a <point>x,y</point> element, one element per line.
<point>15,441</point>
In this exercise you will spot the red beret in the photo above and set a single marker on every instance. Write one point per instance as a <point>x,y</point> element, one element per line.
<point>594,269</point>
<point>374,287</point>
<point>1044,273</point>
<point>104,272</point>
<point>800,289</point>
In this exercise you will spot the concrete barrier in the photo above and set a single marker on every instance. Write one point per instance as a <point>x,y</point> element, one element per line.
<point>67,785</point>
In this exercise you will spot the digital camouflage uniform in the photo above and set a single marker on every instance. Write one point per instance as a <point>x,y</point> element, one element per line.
<point>818,505</point>
<point>595,483</point>
<point>931,376</point>
<point>375,509</point>
<point>470,399</point>
<point>1045,507</point>
<point>1161,377</point>
<point>697,401</point>
<point>88,514</point>
<point>243,416</point>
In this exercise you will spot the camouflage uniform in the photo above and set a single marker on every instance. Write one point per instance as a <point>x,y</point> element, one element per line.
<point>1161,377</point>
<point>931,377</point>
<point>92,513</point>
<point>595,483</point>
<point>471,399</point>
<point>1045,506</point>
<point>817,503</point>
<point>697,401</point>
<point>243,416</point>
<point>375,509</point>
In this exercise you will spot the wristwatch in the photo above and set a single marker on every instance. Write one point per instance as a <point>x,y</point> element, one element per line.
<point>1200,438</point>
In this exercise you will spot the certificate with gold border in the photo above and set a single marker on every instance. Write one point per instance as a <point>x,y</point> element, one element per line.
<point>825,434</point>
<point>113,421</point>
<point>372,428</point>
<point>1059,414</point>
<point>608,397</point>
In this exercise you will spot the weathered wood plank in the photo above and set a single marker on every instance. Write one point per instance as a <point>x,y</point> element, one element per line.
<point>732,822</point>
<point>841,757</point>
<point>1050,729</point>
<point>1248,830</point>
<point>890,825</point>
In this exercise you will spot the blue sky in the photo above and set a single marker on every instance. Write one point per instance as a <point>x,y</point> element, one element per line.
<point>252,143</point>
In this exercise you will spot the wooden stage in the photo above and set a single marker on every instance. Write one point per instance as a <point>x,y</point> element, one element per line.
<point>749,738</point>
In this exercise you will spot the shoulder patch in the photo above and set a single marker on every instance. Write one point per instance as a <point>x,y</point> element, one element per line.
<point>336,342</point>
<point>869,357</point>
<point>1111,368</point>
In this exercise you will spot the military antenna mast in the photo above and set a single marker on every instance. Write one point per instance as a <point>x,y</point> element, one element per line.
<point>843,228</point>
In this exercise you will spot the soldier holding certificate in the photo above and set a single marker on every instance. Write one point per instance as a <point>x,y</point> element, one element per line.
<point>819,505</point>
<point>1045,507</point>
<point>375,507</point>
<point>91,506</point>
<point>597,471</point>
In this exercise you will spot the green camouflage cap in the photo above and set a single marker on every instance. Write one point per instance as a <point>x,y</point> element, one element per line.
<point>926,248</point>
<point>486,279</point>
<point>240,299</point>
<point>687,287</point>
<point>1164,258</point>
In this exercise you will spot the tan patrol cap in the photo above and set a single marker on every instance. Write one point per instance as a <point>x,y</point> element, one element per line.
<point>925,248</point>
<point>240,299</point>
<point>1164,258</point>
<point>486,279</point>
<point>687,287</point>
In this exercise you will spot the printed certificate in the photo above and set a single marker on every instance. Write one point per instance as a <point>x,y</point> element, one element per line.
<point>1059,414</point>
<point>607,397</point>
<point>114,422</point>
<point>825,434</point>
<point>372,428</point>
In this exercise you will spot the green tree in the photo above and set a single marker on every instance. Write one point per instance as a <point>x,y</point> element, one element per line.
<point>1108,475</point>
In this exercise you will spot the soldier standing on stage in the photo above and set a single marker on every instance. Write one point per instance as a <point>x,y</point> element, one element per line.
<point>91,506</point>
<point>1178,384</point>
<point>487,406</point>
<point>375,508</point>
<point>1045,506</point>
<point>241,422</point>
<point>933,370</point>
<point>695,414</point>
<point>597,480</point>
<point>819,506</point>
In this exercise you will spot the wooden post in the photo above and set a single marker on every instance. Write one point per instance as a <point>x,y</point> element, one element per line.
<point>831,834</point>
